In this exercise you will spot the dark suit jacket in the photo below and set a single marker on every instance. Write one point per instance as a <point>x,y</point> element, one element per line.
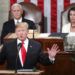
<point>34,55</point>
<point>9,27</point>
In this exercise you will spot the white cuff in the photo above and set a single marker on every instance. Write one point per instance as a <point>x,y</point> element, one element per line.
<point>51,59</point>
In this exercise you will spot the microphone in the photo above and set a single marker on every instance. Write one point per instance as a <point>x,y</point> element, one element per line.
<point>18,48</point>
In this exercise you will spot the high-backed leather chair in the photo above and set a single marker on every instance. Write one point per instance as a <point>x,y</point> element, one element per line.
<point>32,12</point>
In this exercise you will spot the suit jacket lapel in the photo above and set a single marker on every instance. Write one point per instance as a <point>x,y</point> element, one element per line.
<point>13,22</point>
<point>12,25</point>
<point>23,20</point>
<point>29,47</point>
<point>18,62</point>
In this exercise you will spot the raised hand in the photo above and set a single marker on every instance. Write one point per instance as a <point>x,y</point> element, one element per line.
<point>53,51</point>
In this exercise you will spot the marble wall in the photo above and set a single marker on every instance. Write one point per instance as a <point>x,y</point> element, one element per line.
<point>4,9</point>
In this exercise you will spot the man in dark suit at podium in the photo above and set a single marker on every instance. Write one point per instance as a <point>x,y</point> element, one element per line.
<point>9,26</point>
<point>32,53</point>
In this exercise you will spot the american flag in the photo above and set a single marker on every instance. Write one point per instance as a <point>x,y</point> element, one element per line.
<point>51,9</point>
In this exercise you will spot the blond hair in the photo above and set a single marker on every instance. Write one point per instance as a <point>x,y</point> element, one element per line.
<point>22,25</point>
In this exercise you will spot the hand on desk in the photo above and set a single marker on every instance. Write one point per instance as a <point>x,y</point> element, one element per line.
<point>53,51</point>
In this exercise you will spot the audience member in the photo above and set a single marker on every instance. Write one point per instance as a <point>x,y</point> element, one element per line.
<point>9,26</point>
<point>70,27</point>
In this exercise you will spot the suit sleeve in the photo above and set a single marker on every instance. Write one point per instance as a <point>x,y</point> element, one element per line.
<point>32,25</point>
<point>43,58</point>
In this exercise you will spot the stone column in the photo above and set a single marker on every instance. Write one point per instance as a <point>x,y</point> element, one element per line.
<point>4,10</point>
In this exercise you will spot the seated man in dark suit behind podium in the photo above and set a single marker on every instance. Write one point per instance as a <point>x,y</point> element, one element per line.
<point>9,26</point>
<point>24,53</point>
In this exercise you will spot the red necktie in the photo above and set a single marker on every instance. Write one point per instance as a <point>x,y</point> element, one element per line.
<point>23,53</point>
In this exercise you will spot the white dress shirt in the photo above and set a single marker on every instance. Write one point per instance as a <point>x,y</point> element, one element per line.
<point>19,20</point>
<point>26,47</point>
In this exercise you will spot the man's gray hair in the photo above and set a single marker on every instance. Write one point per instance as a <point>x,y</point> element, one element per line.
<point>16,4</point>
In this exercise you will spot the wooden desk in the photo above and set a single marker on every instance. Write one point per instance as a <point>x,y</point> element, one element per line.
<point>64,63</point>
<point>11,72</point>
<point>48,42</point>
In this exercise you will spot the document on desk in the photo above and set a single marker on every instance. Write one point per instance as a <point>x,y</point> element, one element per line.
<point>29,71</point>
<point>49,36</point>
<point>25,70</point>
<point>7,71</point>
<point>43,35</point>
<point>59,35</point>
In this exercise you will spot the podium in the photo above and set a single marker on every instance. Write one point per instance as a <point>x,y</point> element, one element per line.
<point>12,72</point>
<point>63,58</point>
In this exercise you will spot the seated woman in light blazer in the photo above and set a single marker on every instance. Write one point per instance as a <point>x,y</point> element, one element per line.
<point>70,27</point>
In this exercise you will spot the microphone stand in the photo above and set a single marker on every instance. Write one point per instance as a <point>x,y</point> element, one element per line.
<point>34,27</point>
<point>33,33</point>
<point>16,64</point>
